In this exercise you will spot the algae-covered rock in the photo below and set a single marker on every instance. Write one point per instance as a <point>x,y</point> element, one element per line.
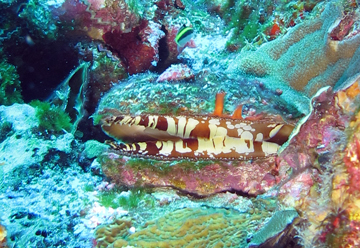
<point>20,116</point>
<point>94,148</point>
<point>51,118</point>
<point>20,146</point>
<point>38,14</point>
<point>10,89</point>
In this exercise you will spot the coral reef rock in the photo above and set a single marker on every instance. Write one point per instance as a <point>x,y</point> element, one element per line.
<point>306,58</point>
<point>198,178</point>
<point>176,73</point>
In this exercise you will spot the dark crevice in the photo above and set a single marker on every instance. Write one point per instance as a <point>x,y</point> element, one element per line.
<point>163,53</point>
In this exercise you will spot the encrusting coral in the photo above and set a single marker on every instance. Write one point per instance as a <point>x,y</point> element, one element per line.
<point>342,224</point>
<point>307,58</point>
<point>324,159</point>
<point>201,178</point>
<point>194,227</point>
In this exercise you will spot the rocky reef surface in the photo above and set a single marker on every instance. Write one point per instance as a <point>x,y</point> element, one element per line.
<point>90,89</point>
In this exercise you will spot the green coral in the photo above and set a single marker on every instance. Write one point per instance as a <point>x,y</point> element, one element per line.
<point>108,199</point>
<point>51,118</point>
<point>10,89</point>
<point>88,188</point>
<point>134,199</point>
<point>114,199</point>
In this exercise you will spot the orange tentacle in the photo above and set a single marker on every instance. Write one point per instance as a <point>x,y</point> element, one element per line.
<point>237,113</point>
<point>219,104</point>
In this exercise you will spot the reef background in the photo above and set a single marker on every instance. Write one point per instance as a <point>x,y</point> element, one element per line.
<point>65,63</point>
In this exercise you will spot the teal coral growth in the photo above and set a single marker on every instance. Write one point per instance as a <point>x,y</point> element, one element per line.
<point>51,118</point>
<point>10,89</point>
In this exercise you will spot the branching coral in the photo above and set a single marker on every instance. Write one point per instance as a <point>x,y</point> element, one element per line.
<point>306,58</point>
